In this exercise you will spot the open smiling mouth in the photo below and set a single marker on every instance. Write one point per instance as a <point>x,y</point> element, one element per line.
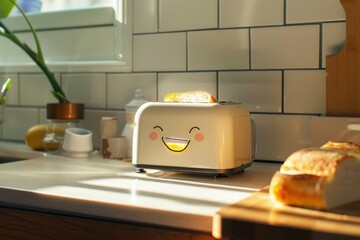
<point>175,144</point>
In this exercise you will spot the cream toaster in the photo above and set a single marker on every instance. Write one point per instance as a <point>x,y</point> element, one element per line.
<point>192,137</point>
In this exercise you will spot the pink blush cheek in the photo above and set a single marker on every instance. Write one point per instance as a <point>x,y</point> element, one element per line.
<point>153,136</point>
<point>199,137</point>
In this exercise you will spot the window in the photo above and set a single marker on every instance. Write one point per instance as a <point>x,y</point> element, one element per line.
<point>56,5</point>
<point>87,37</point>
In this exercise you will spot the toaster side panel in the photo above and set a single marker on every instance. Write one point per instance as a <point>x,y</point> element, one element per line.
<point>242,140</point>
<point>236,148</point>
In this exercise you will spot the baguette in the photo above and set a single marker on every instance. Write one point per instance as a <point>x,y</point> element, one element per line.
<point>319,178</point>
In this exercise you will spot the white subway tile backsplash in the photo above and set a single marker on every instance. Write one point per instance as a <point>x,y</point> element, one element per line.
<point>285,47</point>
<point>35,90</point>
<point>17,122</point>
<point>12,94</point>
<point>121,88</point>
<point>259,91</point>
<point>246,13</point>
<point>268,54</point>
<point>218,49</point>
<point>304,91</point>
<point>178,15</point>
<point>89,89</point>
<point>277,136</point>
<point>324,129</point>
<point>160,52</point>
<point>334,37</point>
<point>181,82</point>
<point>42,116</point>
<point>145,16</point>
<point>302,11</point>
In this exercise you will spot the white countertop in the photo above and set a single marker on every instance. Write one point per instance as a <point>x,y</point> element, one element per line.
<point>110,189</point>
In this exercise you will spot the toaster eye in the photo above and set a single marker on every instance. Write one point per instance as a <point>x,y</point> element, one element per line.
<point>153,134</point>
<point>158,128</point>
<point>194,128</point>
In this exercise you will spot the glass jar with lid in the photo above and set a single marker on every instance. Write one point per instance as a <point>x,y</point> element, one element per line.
<point>60,116</point>
<point>130,110</point>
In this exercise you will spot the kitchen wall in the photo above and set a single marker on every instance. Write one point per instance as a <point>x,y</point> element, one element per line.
<point>267,54</point>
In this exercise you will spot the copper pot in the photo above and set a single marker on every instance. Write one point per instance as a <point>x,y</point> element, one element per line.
<point>65,111</point>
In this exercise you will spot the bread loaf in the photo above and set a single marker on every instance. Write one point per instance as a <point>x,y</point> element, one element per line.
<point>319,178</point>
<point>192,97</point>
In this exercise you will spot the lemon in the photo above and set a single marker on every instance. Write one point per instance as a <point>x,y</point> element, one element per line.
<point>35,135</point>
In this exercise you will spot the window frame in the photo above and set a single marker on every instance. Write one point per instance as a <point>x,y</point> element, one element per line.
<point>122,23</point>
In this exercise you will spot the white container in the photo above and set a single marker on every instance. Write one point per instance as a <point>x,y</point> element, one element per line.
<point>108,126</point>
<point>130,110</point>
<point>78,142</point>
<point>192,137</point>
<point>114,147</point>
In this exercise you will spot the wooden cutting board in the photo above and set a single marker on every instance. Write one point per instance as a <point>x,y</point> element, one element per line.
<point>343,69</point>
<point>257,217</point>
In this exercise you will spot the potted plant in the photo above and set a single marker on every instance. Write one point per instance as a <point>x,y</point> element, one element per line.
<point>64,109</point>
<point>63,113</point>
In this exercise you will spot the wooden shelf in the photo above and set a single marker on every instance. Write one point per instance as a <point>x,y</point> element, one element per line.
<point>21,224</point>
<point>343,71</point>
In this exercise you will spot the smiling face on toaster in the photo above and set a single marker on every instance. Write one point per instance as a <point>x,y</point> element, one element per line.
<point>179,135</point>
<point>176,143</point>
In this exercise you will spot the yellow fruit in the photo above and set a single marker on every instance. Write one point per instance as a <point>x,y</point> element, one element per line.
<point>35,135</point>
<point>192,96</point>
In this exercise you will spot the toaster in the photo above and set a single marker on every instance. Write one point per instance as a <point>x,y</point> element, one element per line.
<point>211,138</point>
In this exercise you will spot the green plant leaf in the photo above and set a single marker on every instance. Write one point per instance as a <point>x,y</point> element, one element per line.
<point>5,8</point>
<point>6,86</point>
<point>3,100</point>
<point>60,97</point>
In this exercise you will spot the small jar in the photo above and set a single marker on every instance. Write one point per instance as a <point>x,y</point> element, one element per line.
<point>59,118</point>
<point>108,126</point>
